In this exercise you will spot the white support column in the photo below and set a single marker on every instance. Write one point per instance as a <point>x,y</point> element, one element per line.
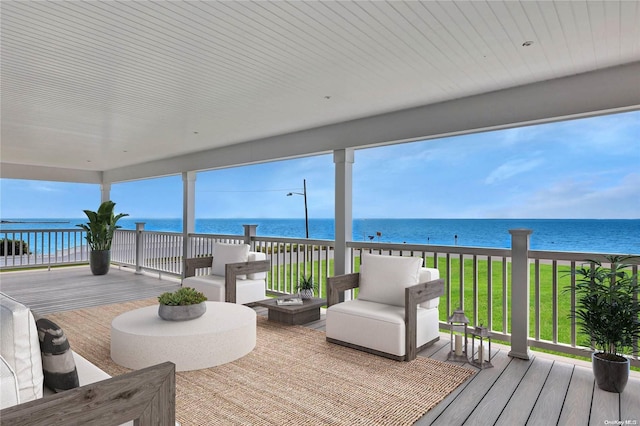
<point>139,246</point>
<point>520,293</point>
<point>105,192</point>
<point>188,212</point>
<point>343,160</point>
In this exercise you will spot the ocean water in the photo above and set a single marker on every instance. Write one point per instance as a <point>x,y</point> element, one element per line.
<point>578,235</point>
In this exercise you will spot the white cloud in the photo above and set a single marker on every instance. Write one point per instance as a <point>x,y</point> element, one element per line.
<point>511,168</point>
<point>44,187</point>
<point>575,199</point>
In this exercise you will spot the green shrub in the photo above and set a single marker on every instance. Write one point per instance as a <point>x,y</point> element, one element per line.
<point>13,247</point>
<point>181,297</point>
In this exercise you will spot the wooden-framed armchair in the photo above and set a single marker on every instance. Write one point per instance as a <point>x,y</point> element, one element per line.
<point>396,312</point>
<point>237,274</point>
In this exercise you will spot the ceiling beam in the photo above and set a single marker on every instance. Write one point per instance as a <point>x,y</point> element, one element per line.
<point>599,92</point>
<point>51,174</point>
<point>604,91</point>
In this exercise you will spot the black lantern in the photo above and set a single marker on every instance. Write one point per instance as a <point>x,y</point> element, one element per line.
<point>458,333</point>
<point>481,355</point>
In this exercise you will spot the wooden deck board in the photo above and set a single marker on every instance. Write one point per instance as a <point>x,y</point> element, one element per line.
<point>507,393</point>
<point>499,394</point>
<point>552,396</point>
<point>69,288</point>
<point>577,403</point>
<point>522,401</point>
<point>630,402</point>
<point>604,406</point>
<point>467,400</point>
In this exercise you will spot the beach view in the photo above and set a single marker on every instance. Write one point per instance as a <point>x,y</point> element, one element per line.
<point>389,212</point>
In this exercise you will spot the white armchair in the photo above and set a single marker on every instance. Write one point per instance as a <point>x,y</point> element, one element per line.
<point>237,274</point>
<point>396,312</point>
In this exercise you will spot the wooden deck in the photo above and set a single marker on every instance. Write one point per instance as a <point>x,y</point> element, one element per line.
<point>546,390</point>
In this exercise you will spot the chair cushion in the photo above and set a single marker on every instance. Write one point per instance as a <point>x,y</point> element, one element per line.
<point>58,365</point>
<point>384,278</point>
<point>228,253</point>
<point>20,348</point>
<point>253,256</point>
<point>378,326</point>
<point>424,276</point>
<point>9,392</point>
<point>212,286</point>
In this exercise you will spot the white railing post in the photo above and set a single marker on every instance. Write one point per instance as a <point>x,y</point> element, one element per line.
<point>520,293</point>
<point>249,233</point>
<point>139,246</point>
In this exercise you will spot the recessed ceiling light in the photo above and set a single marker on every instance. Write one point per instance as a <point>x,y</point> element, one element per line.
<point>527,43</point>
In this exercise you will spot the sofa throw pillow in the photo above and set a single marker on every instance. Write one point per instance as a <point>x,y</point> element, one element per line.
<point>228,253</point>
<point>59,368</point>
<point>384,278</point>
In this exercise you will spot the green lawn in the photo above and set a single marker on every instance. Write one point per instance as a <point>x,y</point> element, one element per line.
<point>451,275</point>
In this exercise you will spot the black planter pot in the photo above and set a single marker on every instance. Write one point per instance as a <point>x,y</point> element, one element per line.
<point>100,260</point>
<point>611,371</point>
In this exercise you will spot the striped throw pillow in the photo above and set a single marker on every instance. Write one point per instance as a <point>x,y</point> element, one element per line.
<point>58,366</point>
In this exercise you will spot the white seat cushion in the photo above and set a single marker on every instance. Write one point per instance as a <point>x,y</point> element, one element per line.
<point>9,392</point>
<point>384,278</point>
<point>424,276</point>
<point>212,286</point>
<point>20,347</point>
<point>378,326</point>
<point>228,253</point>
<point>254,256</point>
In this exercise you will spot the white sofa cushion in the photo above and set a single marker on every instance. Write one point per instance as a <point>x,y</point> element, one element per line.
<point>9,392</point>
<point>378,326</point>
<point>424,276</point>
<point>384,278</point>
<point>254,256</point>
<point>228,253</point>
<point>212,286</point>
<point>20,348</point>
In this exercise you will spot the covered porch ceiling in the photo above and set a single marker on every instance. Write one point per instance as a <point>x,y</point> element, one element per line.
<point>100,92</point>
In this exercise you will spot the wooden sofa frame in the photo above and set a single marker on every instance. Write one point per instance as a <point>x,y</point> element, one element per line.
<point>413,296</point>
<point>232,270</point>
<point>146,396</point>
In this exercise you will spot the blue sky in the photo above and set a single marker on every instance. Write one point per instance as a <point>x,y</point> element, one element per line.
<point>587,168</point>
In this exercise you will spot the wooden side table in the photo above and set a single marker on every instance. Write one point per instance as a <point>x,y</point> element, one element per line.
<point>294,314</point>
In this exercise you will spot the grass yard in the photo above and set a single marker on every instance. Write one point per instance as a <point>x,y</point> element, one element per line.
<point>552,284</point>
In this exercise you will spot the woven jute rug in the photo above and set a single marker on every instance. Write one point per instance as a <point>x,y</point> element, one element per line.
<point>292,377</point>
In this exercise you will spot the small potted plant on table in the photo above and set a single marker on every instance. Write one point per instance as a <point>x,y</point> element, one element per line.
<point>184,304</point>
<point>608,313</point>
<point>306,287</point>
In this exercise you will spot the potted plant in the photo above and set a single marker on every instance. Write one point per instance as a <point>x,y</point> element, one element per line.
<point>609,315</point>
<point>184,304</point>
<point>306,286</point>
<point>100,229</point>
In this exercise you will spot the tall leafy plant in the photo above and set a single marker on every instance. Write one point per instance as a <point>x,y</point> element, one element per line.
<point>101,226</point>
<point>607,308</point>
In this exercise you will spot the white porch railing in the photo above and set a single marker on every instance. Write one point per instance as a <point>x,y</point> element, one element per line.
<point>42,247</point>
<point>479,280</point>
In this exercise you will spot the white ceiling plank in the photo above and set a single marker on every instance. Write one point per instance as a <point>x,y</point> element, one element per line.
<point>163,79</point>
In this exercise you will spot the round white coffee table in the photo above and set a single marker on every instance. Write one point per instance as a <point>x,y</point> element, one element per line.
<point>226,332</point>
